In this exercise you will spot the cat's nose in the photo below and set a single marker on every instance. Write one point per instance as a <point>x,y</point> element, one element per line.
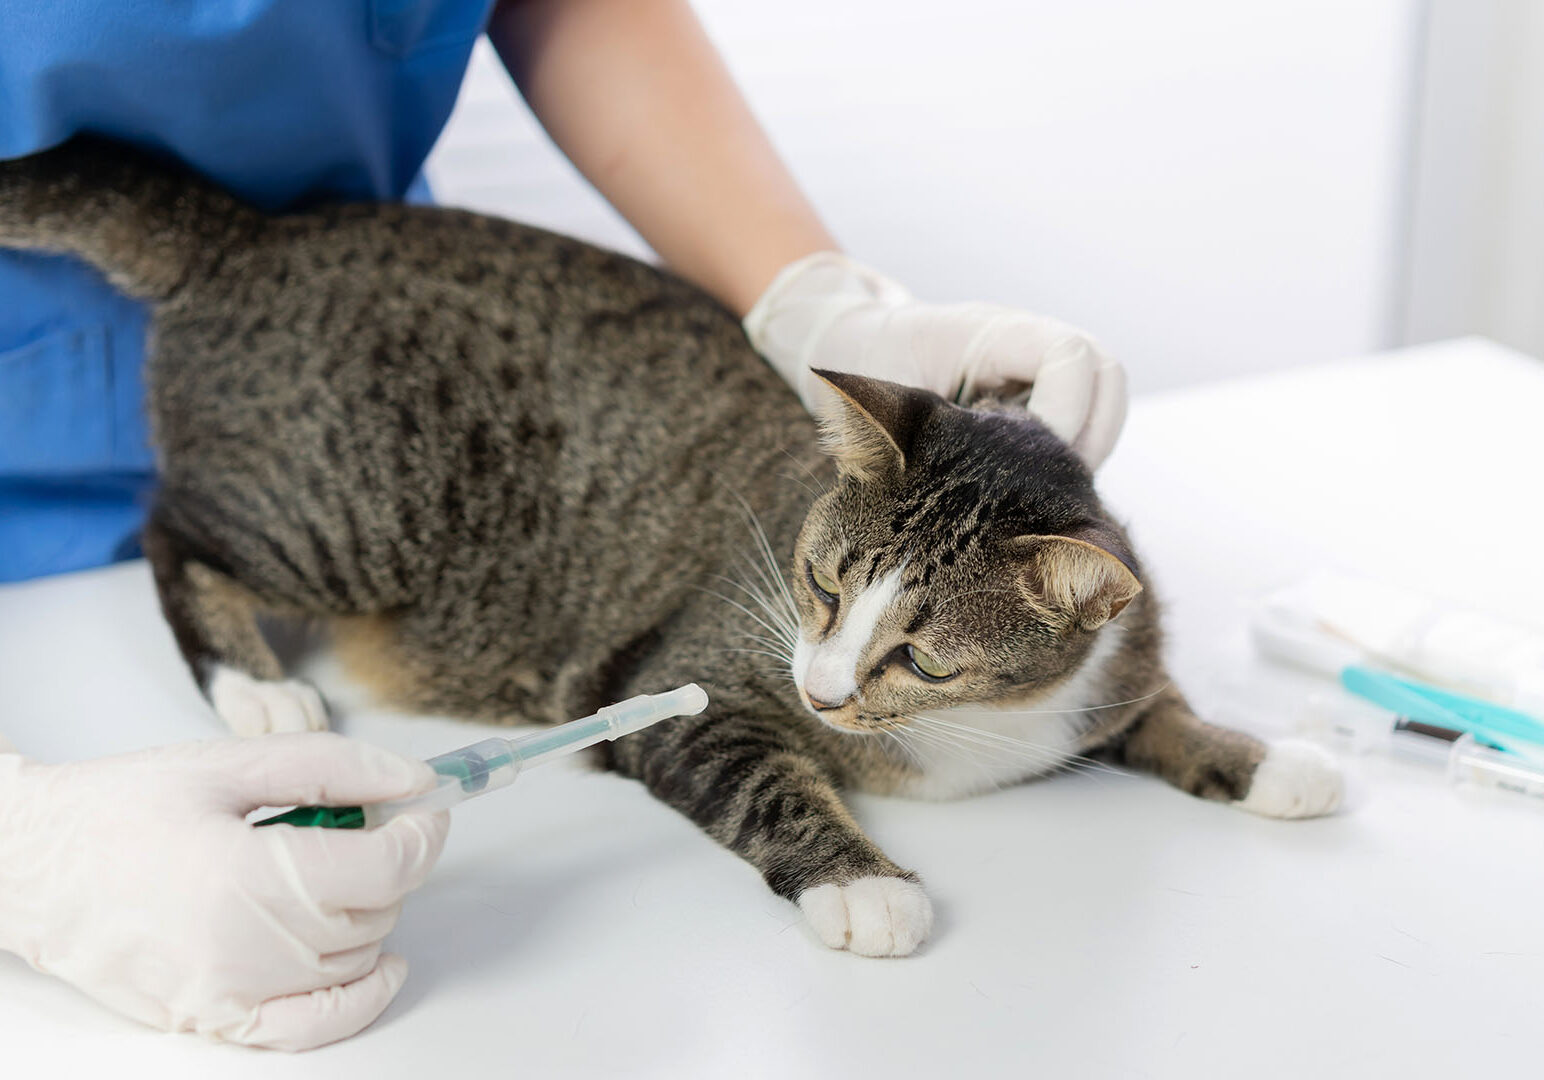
<point>825,706</point>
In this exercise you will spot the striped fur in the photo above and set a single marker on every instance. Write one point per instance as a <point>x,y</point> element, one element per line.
<point>524,477</point>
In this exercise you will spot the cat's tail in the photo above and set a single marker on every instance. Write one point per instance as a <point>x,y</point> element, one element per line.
<point>147,224</point>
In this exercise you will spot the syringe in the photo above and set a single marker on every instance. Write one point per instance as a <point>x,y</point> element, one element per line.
<point>1512,766</point>
<point>494,763</point>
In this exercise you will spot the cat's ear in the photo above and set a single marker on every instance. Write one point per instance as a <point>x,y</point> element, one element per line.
<point>1075,578</point>
<point>871,424</point>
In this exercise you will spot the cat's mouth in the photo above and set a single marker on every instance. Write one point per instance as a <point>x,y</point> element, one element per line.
<point>851,721</point>
<point>846,717</point>
<point>855,726</point>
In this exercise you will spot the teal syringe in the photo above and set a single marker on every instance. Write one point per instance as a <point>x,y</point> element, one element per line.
<point>494,763</point>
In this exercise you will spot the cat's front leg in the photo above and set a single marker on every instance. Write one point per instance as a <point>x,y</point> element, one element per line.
<point>775,806</point>
<point>1288,779</point>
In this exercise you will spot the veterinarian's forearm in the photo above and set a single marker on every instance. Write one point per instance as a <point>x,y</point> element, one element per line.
<point>636,96</point>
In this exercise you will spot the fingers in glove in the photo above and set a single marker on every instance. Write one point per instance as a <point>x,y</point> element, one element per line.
<point>314,769</point>
<point>335,969</point>
<point>1063,393</point>
<point>360,869</point>
<point>1107,416</point>
<point>328,931</point>
<point>305,1021</point>
<point>325,951</point>
<point>1001,347</point>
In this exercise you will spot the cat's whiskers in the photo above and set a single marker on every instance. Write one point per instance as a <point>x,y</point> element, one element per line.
<point>984,758</point>
<point>912,735</point>
<point>758,652</point>
<point>906,748</point>
<point>772,570</point>
<point>772,601</point>
<point>997,743</point>
<point>807,470</point>
<point>778,644</point>
<point>1019,748</point>
<point>736,604</point>
<point>794,479</point>
<point>766,588</point>
<point>786,629</point>
<point>1085,708</point>
<point>771,671</point>
<point>936,741</point>
<point>758,579</point>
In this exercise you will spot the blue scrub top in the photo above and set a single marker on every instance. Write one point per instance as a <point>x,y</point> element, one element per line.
<point>284,102</point>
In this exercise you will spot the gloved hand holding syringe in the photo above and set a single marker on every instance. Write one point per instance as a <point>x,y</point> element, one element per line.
<point>494,763</point>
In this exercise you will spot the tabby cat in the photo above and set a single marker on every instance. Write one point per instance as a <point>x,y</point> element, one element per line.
<point>524,477</point>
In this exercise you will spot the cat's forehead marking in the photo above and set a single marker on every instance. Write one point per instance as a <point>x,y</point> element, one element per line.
<point>873,567</point>
<point>934,526</point>
<point>849,556</point>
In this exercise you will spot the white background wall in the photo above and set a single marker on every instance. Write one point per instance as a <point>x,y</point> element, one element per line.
<point>1211,187</point>
<point>1477,241</point>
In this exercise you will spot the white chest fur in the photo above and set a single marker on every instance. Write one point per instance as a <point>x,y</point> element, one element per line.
<point>974,748</point>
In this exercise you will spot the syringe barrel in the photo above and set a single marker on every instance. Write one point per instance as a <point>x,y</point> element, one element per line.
<point>472,770</point>
<point>494,763</point>
<point>609,722</point>
<point>1472,763</point>
<point>639,712</point>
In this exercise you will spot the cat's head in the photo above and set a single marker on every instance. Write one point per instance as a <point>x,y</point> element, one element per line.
<point>962,557</point>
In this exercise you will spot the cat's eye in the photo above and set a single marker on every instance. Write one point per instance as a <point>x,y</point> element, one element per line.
<point>927,666</point>
<point>827,589</point>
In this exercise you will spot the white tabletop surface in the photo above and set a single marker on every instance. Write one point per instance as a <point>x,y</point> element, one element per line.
<point>1088,925</point>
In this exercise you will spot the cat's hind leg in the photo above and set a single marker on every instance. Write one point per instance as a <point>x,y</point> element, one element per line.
<point>1288,779</point>
<point>214,620</point>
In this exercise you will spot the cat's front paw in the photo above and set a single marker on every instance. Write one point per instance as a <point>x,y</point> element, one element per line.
<point>873,916</point>
<point>259,707</point>
<point>1296,779</point>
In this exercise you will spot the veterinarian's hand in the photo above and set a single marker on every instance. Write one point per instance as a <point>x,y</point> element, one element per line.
<point>137,879</point>
<point>827,311</point>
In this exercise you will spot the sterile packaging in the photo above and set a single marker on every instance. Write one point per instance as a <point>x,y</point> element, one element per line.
<point>1330,621</point>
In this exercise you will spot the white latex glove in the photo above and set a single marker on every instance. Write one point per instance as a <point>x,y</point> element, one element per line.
<point>136,879</point>
<point>827,311</point>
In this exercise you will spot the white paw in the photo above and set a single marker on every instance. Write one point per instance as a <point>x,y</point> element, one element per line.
<point>873,916</point>
<point>1296,780</point>
<point>257,707</point>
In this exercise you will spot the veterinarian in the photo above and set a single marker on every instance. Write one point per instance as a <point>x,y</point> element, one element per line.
<point>135,878</point>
